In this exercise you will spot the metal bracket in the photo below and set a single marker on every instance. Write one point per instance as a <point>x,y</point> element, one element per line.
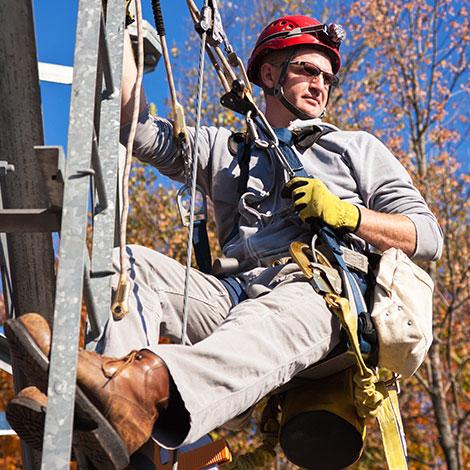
<point>6,167</point>
<point>152,46</point>
<point>52,163</point>
<point>237,101</point>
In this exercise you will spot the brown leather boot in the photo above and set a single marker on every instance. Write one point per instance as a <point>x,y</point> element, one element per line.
<point>29,338</point>
<point>129,391</point>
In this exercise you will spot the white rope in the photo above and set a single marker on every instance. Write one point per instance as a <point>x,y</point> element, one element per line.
<point>120,307</point>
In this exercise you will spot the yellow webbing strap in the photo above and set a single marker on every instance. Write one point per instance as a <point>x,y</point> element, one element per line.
<point>366,397</point>
<point>372,397</point>
<point>391,428</point>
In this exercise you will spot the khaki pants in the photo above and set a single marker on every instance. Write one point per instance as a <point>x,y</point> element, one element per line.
<point>237,354</point>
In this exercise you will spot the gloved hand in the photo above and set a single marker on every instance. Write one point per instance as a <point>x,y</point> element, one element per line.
<point>130,17</point>
<point>312,199</point>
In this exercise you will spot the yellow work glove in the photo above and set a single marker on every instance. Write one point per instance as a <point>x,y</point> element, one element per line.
<point>130,17</point>
<point>312,199</point>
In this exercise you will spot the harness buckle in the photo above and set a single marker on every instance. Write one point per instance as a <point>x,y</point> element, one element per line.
<point>324,278</point>
<point>329,276</point>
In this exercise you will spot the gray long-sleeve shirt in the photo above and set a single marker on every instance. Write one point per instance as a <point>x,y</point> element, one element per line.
<point>354,165</point>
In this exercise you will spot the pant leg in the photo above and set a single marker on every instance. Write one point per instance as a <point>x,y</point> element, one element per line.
<point>262,344</point>
<point>156,303</point>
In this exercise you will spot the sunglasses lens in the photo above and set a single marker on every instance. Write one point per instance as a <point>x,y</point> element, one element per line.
<point>311,69</point>
<point>314,71</point>
<point>330,80</point>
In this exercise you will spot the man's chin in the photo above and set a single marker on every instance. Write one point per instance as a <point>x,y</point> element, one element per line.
<point>312,111</point>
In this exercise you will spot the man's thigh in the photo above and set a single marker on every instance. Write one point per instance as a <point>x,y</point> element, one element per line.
<point>263,343</point>
<point>156,303</point>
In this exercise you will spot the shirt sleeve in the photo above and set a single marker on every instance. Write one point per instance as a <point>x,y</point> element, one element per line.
<point>385,186</point>
<point>154,143</point>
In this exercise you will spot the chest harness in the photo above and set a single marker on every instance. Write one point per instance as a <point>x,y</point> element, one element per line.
<point>336,245</point>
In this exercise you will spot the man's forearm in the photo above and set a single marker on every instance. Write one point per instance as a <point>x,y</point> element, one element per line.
<point>129,76</point>
<point>387,230</point>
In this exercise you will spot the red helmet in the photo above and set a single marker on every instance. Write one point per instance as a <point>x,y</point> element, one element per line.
<point>295,31</point>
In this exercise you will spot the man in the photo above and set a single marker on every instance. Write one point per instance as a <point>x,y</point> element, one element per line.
<point>245,342</point>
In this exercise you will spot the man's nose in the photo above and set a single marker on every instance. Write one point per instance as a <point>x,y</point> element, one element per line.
<point>318,80</point>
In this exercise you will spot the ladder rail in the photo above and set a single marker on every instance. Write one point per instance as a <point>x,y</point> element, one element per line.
<point>73,250</point>
<point>109,151</point>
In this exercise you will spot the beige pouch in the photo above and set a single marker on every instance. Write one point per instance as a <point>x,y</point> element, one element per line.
<point>402,312</point>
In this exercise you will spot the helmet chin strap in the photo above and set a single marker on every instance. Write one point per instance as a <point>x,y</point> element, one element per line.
<point>278,92</point>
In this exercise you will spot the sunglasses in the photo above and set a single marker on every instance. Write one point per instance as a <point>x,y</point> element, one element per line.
<point>311,70</point>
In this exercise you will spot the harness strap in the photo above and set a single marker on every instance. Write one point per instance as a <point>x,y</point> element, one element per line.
<point>243,157</point>
<point>201,246</point>
<point>234,288</point>
<point>391,429</point>
<point>306,139</point>
<point>286,139</point>
<point>325,233</point>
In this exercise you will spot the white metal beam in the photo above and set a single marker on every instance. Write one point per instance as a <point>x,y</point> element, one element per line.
<point>55,73</point>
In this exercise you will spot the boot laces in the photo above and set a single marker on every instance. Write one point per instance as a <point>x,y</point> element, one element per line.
<point>109,364</point>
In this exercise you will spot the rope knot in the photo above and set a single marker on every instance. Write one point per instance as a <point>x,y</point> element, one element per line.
<point>367,398</point>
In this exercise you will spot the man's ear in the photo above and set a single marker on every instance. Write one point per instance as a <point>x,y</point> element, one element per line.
<point>268,75</point>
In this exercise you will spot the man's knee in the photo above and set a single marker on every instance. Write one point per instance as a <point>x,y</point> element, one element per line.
<point>140,257</point>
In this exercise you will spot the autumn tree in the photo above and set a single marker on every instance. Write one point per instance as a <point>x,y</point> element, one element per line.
<point>10,454</point>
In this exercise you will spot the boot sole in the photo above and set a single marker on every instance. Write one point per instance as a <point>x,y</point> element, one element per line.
<point>27,418</point>
<point>27,353</point>
<point>94,439</point>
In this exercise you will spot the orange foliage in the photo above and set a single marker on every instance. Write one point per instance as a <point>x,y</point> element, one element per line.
<point>10,457</point>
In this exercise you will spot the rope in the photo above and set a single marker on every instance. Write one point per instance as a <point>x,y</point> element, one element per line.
<point>193,178</point>
<point>120,305</point>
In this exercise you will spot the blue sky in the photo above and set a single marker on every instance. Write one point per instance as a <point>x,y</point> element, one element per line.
<point>55,24</point>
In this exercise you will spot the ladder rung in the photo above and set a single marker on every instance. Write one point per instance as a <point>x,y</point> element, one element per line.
<point>29,220</point>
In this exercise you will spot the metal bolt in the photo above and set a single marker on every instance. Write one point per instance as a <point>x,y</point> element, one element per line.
<point>59,387</point>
